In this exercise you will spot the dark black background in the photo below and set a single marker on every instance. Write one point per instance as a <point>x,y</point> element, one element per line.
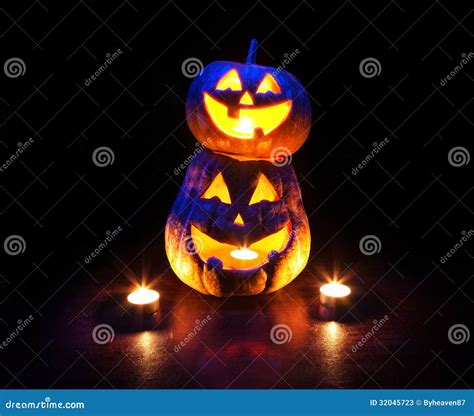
<point>409,196</point>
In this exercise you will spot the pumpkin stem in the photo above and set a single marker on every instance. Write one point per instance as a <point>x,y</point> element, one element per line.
<point>252,56</point>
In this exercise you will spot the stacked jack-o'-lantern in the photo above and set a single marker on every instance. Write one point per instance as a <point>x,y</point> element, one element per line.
<point>238,226</point>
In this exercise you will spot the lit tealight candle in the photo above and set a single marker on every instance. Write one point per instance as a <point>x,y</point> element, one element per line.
<point>143,300</point>
<point>333,294</point>
<point>244,254</point>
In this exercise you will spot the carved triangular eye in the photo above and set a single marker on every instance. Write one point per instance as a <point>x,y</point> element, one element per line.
<point>218,188</point>
<point>264,191</point>
<point>246,99</point>
<point>269,84</point>
<point>230,81</point>
<point>239,220</point>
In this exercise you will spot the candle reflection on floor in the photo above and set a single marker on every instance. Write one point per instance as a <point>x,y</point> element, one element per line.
<point>330,347</point>
<point>332,333</point>
<point>238,336</point>
<point>147,340</point>
<point>150,354</point>
<point>206,342</point>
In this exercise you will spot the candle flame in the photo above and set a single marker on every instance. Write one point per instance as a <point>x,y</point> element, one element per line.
<point>142,296</point>
<point>244,254</point>
<point>245,126</point>
<point>335,290</point>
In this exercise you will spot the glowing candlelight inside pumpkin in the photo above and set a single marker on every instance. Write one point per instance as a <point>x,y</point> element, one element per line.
<point>244,254</point>
<point>245,126</point>
<point>334,293</point>
<point>144,300</point>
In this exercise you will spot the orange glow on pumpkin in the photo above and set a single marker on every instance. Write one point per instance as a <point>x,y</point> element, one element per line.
<point>218,188</point>
<point>264,191</point>
<point>268,84</point>
<point>251,117</point>
<point>241,111</point>
<point>230,81</point>
<point>240,258</point>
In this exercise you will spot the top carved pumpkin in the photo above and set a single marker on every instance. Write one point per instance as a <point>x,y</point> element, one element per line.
<point>248,110</point>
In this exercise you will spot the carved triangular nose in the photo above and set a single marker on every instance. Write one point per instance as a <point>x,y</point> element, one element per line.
<point>246,99</point>
<point>238,220</point>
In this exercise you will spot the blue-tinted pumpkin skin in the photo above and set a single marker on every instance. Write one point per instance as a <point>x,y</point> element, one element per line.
<point>291,134</point>
<point>216,219</point>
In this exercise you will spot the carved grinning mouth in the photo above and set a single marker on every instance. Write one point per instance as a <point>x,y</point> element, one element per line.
<point>249,122</point>
<point>234,257</point>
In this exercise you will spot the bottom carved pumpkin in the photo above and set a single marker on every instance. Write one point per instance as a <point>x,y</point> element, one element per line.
<point>237,227</point>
